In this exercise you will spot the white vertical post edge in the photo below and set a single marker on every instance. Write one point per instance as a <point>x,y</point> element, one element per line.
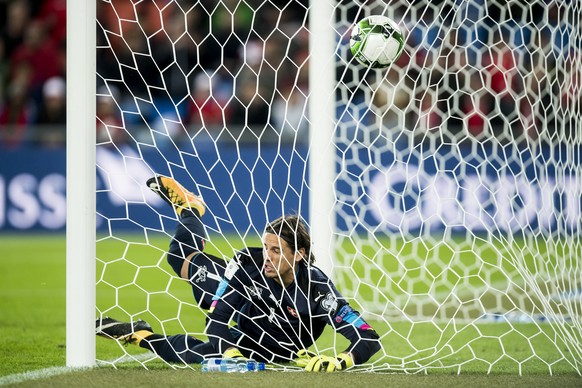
<point>322,69</point>
<point>81,197</point>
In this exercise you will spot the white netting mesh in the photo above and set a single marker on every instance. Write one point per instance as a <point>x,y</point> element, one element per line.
<point>458,190</point>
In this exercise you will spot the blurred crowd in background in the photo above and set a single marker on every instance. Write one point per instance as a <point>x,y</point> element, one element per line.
<point>190,69</point>
<point>173,73</point>
<point>170,71</point>
<point>501,70</point>
<point>32,69</point>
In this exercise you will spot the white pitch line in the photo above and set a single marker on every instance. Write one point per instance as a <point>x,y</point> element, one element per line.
<point>37,374</point>
<point>61,370</point>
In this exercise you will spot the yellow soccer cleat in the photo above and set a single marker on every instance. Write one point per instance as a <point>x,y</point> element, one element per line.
<point>176,195</point>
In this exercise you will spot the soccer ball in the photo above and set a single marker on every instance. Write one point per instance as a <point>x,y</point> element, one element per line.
<point>376,41</point>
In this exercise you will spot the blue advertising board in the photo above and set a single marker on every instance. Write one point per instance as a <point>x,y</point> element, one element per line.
<point>476,188</point>
<point>242,186</point>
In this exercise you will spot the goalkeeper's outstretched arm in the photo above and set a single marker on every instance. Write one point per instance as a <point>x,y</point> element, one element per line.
<point>364,343</point>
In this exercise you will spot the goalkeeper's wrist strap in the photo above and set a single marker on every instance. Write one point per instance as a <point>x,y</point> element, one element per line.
<point>232,353</point>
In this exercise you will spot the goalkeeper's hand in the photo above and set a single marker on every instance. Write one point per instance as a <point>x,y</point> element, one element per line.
<point>233,353</point>
<point>303,357</point>
<point>329,364</point>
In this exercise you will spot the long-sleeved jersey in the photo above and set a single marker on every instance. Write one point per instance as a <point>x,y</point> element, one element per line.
<point>274,322</point>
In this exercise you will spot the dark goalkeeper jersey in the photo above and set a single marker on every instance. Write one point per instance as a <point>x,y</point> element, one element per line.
<point>275,322</point>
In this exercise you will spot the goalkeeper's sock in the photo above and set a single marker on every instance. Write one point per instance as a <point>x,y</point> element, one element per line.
<point>175,348</point>
<point>188,238</point>
<point>190,232</point>
<point>147,342</point>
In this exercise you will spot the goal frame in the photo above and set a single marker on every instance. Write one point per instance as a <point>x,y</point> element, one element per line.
<point>81,255</point>
<point>321,152</point>
<point>81,163</point>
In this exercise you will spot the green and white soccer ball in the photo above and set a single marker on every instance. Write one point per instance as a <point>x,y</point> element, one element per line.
<point>376,41</point>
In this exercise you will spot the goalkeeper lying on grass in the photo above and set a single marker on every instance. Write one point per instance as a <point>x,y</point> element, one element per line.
<point>280,302</point>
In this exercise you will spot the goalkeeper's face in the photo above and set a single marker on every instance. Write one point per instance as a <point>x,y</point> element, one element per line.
<point>280,260</point>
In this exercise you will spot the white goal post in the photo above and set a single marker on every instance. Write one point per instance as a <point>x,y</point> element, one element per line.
<point>80,246</point>
<point>322,44</point>
<point>444,194</point>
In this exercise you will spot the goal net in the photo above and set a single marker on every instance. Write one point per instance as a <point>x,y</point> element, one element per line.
<point>451,219</point>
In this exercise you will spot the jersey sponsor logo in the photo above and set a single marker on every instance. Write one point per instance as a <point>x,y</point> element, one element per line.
<point>292,311</point>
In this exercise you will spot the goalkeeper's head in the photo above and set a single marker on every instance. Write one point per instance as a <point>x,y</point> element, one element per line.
<point>293,230</point>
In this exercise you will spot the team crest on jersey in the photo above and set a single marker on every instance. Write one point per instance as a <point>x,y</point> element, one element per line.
<point>200,275</point>
<point>292,311</point>
<point>329,302</point>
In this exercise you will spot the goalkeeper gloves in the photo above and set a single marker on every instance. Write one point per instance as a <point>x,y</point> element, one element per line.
<point>316,363</point>
<point>303,357</point>
<point>233,353</point>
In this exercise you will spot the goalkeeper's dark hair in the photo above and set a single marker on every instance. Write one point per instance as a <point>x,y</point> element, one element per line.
<point>293,230</point>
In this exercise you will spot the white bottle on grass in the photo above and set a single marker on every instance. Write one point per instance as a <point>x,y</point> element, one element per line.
<point>230,365</point>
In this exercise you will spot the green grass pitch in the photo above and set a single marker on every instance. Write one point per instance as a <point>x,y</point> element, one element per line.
<point>136,281</point>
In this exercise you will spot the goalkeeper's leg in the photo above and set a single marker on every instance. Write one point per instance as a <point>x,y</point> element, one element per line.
<point>188,260</point>
<point>185,254</point>
<point>183,348</point>
<point>180,348</point>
